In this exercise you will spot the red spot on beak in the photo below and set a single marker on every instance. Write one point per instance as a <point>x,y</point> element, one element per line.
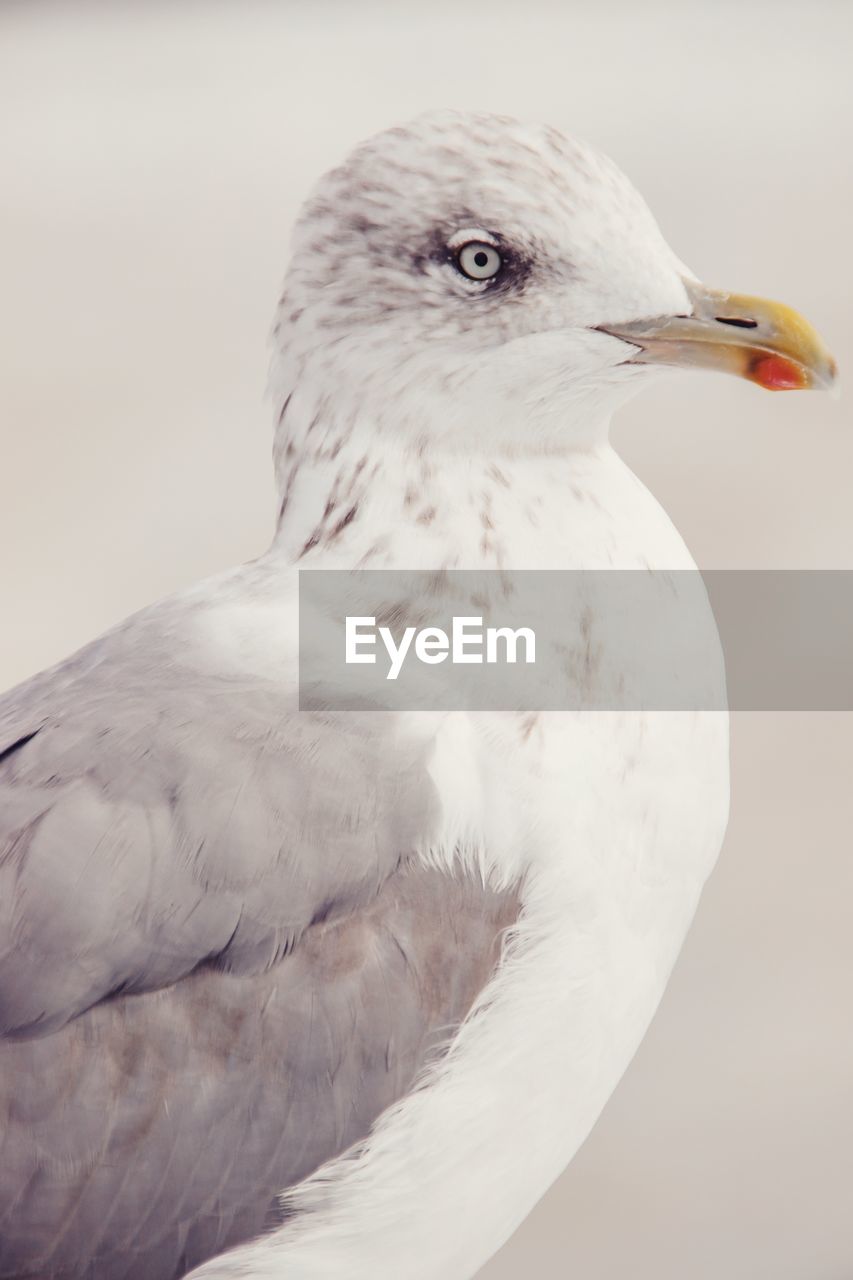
<point>776,373</point>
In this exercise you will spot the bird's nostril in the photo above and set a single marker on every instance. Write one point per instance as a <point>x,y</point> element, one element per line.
<point>737,322</point>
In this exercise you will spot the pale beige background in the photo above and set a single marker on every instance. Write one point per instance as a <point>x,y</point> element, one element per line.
<point>152,157</point>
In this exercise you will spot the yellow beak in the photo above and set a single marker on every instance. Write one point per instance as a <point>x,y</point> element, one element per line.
<point>767,342</point>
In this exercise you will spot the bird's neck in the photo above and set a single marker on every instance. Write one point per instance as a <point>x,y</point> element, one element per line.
<point>369,503</point>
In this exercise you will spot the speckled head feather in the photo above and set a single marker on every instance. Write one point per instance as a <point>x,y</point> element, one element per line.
<point>375,304</point>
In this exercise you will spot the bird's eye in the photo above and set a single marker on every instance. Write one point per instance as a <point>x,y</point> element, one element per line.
<point>478,260</point>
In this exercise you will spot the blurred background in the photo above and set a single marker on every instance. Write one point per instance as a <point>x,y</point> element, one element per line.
<point>152,159</point>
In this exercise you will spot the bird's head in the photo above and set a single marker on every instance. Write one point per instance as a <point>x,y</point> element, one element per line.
<point>476,283</point>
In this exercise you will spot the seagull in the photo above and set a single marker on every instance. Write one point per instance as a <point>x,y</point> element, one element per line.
<point>297,994</point>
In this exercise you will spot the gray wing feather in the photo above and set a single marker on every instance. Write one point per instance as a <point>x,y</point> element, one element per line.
<point>157,1130</point>
<point>153,818</point>
<point>218,960</point>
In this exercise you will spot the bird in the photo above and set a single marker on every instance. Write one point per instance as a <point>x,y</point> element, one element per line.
<point>292,992</point>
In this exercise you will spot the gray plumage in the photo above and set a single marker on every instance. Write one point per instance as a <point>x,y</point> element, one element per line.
<point>219,961</point>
